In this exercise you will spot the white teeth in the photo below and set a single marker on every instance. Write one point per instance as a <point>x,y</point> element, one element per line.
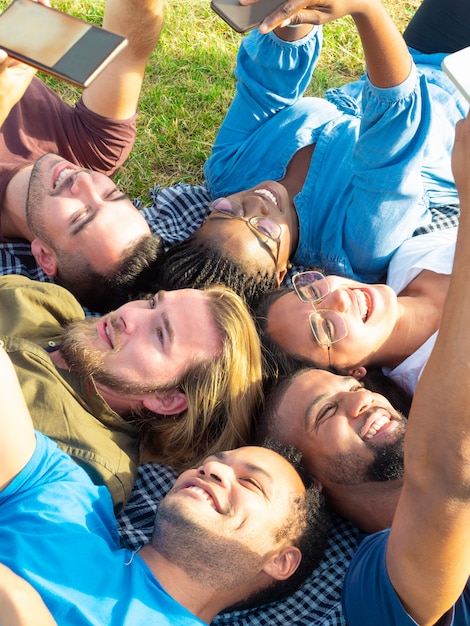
<point>202,493</point>
<point>106,332</point>
<point>267,194</point>
<point>362,303</point>
<point>65,172</point>
<point>374,428</point>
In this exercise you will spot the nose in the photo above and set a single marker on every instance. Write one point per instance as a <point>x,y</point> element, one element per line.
<point>82,181</point>
<point>135,320</point>
<point>254,204</point>
<point>214,470</point>
<point>337,300</point>
<point>357,402</point>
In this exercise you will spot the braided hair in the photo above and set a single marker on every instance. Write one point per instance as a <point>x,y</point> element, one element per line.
<point>196,264</point>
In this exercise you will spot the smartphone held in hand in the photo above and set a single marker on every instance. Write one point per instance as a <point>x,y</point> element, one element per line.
<point>243,18</point>
<point>57,43</point>
<point>457,68</point>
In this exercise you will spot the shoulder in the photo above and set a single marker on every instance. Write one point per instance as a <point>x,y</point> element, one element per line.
<point>368,596</point>
<point>49,296</point>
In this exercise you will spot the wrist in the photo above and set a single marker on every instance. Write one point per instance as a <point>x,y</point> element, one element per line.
<point>293,32</point>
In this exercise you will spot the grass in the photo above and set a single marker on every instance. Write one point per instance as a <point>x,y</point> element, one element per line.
<point>189,85</point>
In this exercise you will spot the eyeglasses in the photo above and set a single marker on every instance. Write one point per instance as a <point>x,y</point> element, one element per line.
<point>328,326</point>
<point>264,228</point>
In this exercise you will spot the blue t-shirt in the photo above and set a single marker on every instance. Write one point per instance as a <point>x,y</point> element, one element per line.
<point>58,531</point>
<point>369,597</point>
<point>381,158</point>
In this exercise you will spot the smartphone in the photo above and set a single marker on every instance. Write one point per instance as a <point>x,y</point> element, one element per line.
<point>243,18</point>
<point>57,43</point>
<point>457,68</point>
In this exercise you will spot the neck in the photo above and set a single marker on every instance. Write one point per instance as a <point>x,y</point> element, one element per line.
<point>122,405</point>
<point>14,207</point>
<point>204,602</point>
<point>370,506</point>
<point>293,181</point>
<point>419,315</point>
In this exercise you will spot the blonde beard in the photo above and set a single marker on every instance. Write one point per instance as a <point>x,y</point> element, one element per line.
<point>88,362</point>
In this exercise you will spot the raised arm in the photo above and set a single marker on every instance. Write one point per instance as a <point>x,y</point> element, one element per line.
<point>386,54</point>
<point>15,78</point>
<point>115,92</point>
<point>17,439</point>
<point>428,555</point>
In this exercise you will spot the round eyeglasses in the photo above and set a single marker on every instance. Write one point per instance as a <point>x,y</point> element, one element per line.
<point>328,326</point>
<point>264,228</point>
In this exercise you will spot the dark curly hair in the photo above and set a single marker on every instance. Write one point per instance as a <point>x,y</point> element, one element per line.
<point>193,263</point>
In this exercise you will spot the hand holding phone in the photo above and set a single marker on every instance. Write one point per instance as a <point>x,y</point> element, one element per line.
<point>243,18</point>
<point>57,43</point>
<point>457,68</point>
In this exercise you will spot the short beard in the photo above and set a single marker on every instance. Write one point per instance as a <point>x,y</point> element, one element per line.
<point>214,561</point>
<point>350,469</point>
<point>388,463</point>
<point>87,362</point>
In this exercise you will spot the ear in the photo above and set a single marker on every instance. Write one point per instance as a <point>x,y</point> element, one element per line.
<point>280,277</point>
<point>166,403</point>
<point>283,564</point>
<point>45,256</point>
<point>357,372</point>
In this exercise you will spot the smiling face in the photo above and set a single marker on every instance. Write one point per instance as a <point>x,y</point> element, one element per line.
<point>81,212</point>
<point>369,311</point>
<point>144,345</point>
<point>347,434</point>
<point>240,243</point>
<point>221,520</point>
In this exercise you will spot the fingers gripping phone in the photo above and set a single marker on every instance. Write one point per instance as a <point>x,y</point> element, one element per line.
<point>243,18</point>
<point>57,43</point>
<point>457,68</point>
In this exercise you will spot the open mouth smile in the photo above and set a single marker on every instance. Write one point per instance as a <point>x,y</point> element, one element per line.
<point>374,425</point>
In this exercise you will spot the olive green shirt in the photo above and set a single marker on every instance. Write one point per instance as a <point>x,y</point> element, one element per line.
<point>66,408</point>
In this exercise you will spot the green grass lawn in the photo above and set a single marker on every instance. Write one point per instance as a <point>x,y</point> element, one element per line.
<point>189,85</point>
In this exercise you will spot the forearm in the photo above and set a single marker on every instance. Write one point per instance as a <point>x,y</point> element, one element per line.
<point>387,58</point>
<point>115,92</point>
<point>138,20</point>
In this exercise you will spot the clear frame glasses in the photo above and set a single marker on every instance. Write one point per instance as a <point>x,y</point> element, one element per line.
<point>327,326</point>
<point>263,227</point>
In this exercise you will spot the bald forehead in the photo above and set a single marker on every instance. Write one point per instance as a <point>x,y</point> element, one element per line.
<point>274,467</point>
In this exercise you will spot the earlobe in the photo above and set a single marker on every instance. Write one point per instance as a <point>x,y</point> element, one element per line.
<point>358,372</point>
<point>166,403</point>
<point>45,257</point>
<point>284,563</point>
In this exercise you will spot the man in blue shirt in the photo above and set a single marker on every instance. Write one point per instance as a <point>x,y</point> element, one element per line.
<point>236,526</point>
<point>412,492</point>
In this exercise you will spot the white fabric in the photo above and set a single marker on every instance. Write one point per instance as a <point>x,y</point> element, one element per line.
<point>435,252</point>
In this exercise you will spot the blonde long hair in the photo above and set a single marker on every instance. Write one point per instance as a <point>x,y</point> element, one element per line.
<point>222,395</point>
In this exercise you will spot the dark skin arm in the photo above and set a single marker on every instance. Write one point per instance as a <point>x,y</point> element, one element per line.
<point>386,54</point>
